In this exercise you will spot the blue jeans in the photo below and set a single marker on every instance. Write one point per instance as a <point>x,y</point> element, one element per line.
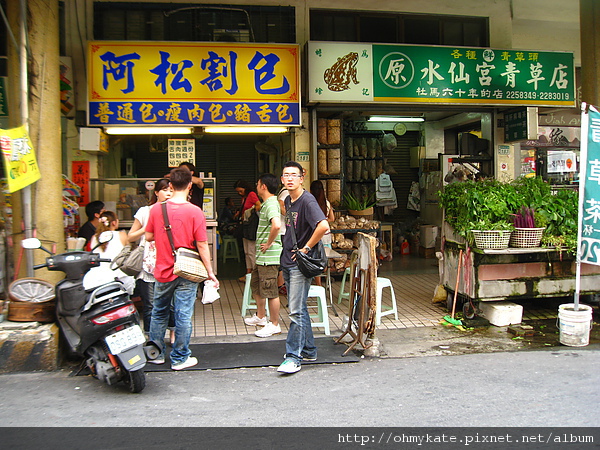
<point>300,340</point>
<point>183,293</point>
<point>146,292</point>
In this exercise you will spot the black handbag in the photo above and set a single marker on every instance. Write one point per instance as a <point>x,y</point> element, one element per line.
<point>312,263</point>
<point>250,225</point>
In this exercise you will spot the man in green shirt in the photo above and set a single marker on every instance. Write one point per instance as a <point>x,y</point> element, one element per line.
<point>268,251</point>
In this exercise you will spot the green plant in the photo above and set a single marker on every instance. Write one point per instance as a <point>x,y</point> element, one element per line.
<point>353,203</point>
<point>477,205</point>
<point>560,211</point>
<point>485,225</point>
<point>488,204</point>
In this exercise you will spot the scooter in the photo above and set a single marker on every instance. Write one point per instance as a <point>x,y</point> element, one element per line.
<point>100,324</point>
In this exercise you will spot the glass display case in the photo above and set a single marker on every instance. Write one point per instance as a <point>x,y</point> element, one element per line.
<point>126,195</point>
<point>122,195</point>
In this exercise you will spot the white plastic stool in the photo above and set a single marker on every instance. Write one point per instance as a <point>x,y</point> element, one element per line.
<point>248,301</point>
<point>230,248</point>
<point>322,316</point>
<point>380,311</point>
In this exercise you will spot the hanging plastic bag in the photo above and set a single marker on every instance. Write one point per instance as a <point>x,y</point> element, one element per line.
<point>210,293</point>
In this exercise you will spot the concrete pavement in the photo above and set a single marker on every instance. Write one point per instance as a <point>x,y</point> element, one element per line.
<point>548,387</point>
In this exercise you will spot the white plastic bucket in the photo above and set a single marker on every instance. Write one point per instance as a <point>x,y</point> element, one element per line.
<point>574,326</point>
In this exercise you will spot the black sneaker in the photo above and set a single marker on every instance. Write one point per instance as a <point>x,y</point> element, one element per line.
<point>304,357</point>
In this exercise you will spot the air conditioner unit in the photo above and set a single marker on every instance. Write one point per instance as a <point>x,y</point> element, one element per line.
<point>93,140</point>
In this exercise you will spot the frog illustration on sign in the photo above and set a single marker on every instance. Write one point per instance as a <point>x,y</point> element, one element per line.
<point>342,72</point>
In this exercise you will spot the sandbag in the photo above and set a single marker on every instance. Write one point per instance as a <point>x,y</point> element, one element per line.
<point>371,147</point>
<point>362,145</point>
<point>334,135</point>
<point>349,147</point>
<point>322,161</point>
<point>334,161</point>
<point>349,170</point>
<point>334,192</point>
<point>322,131</point>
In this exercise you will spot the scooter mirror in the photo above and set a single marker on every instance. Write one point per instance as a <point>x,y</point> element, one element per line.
<point>31,243</point>
<point>105,237</point>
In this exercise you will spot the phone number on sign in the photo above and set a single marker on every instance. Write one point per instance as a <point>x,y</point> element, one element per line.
<point>538,95</point>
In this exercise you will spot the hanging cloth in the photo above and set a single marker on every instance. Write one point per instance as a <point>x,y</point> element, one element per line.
<point>385,193</point>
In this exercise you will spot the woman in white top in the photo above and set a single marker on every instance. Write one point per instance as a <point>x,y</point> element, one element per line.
<point>145,280</point>
<point>100,275</point>
<point>318,191</point>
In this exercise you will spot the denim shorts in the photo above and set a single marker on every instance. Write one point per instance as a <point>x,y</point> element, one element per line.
<point>264,281</point>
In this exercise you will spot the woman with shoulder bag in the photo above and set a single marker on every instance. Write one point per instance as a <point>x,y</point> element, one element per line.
<point>145,280</point>
<point>249,200</point>
<point>108,221</point>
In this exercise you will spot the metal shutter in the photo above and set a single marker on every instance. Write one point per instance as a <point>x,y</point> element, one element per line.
<point>399,158</point>
<point>228,162</point>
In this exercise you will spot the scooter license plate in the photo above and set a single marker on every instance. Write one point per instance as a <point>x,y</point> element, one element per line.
<point>125,339</point>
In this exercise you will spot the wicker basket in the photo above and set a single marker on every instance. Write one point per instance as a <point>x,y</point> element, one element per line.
<point>363,213</point>
<point>491,239</point>
<point>526,237</point>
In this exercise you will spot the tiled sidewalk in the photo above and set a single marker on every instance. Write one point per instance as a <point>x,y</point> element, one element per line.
<point>413,294</point>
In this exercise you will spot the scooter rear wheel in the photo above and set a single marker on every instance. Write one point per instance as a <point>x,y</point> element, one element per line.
<point>135,381</point>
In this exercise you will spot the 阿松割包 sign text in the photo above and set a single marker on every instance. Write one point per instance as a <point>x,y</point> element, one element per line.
<point>193,84</point>
<point>358,72</point>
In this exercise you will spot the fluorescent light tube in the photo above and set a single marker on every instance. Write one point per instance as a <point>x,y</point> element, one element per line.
<point>148,130</point>
<point>395,119</point>
<point>242,129</point>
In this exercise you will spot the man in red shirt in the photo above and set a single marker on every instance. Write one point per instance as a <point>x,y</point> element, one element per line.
<point>188,226</point>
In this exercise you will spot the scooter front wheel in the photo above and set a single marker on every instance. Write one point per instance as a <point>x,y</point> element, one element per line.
<point>135,381</point>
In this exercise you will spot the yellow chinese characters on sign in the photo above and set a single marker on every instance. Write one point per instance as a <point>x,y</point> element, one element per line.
<point>19,158</point>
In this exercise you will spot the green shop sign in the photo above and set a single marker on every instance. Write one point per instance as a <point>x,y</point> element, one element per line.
<point>358,72</point>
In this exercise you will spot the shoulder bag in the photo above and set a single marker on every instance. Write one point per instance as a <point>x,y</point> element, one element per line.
<point>188,264</point>
<point>129,260</point>
<point>312,263</point>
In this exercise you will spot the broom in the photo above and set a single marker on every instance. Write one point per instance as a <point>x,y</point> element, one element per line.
<point>450,319</point>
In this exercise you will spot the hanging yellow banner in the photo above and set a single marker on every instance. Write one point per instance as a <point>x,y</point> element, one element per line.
<point>20,166</point>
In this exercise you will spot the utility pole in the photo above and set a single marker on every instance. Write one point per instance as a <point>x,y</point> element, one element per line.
<point>589,28</point>
<point>34,95</point>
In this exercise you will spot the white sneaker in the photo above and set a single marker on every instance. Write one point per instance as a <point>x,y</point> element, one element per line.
<point>159,360</point>
<point>268,330</point>
<point>289,366</point>
<point>190,362</point>
<point>255,320</point>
